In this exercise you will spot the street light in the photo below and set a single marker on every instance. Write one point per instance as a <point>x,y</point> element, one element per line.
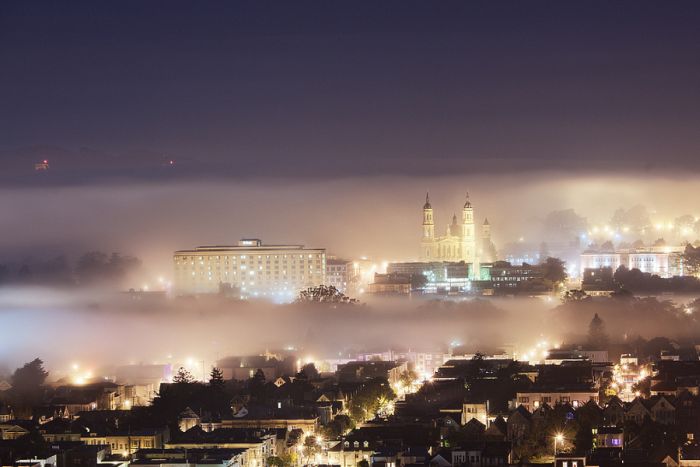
<point>558,438</point>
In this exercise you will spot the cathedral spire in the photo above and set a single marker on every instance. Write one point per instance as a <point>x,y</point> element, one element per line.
<point>467,203</point>
<point>427,201</point>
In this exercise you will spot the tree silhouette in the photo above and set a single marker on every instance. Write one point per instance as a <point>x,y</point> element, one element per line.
<point>554,270</point>
<point>183,376</point>
<point>691,258</point>
<point>597,337</point>
<point>324,294</point>
<point>27,383</point>
<point>216,378</point>
<point>308,371</point>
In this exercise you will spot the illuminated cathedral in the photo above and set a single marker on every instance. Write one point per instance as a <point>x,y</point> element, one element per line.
<point>460,241</point>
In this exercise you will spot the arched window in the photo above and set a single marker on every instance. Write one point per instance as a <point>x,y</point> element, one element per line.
<point>356,444</point>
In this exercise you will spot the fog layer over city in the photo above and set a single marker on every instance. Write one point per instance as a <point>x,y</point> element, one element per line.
<point>373,216</point>
<point>378,217</point>
<point>99,329</point>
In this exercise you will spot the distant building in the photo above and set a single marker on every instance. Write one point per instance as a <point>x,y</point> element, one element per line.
<point>575,395</point>
<point>436,276</point>
<point>339,273</point>
<point>508,278</point>
<point>598,281</point>
<point>663,261</point>
<point>390,284</point>
<point>249,269</point>
<point>359,371</point>
<point>460,242</point>
<point>41,166</point>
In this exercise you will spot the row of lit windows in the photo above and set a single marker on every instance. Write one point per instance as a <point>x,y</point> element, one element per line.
<point>234,256</point>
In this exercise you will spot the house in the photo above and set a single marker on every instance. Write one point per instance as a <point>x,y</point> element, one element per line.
<point>481,453</point>
<point>188,419</point>
<point>125,442</point>
<point>518,424</point>
<point>636,411</point>
<point>614,411</point>
<point>358,371</point>
<point>658,408</point>
<point>662,410</point>
<point>191,457</point>
<point>12,431</point>
<point>574,394</point>
<point>569,461</point>
<point>497,430</point>
<point>61,429</point>
<point>259,444</point>
<point>349,452</point>
<point>609,437</point>
<point>477,410</point>
<point>6,413</point>
<point>263,417</point>
<point>690,457</point>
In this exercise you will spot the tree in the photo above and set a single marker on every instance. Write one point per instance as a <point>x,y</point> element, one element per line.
<point>216,378</point>
<point>408,377</point>
<point>30,376</point>
<point>27,383</point>
<point>183,376</point>
<point>575,295</point>
<point>660,242</point>
<point>555,270</point>
<point>564,224</point>
<point>96,266</point>
<point>607,246</point>
<point>369,398</point>
<point>308,372</point>
<point>636,219</point>
<point>284,460</point>
<point>256,384</point>
<point>691,258</point>
<point>597,337</point>
<point>324,294</point>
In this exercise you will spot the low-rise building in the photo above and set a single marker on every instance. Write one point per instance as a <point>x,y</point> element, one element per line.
<point>574,394</point>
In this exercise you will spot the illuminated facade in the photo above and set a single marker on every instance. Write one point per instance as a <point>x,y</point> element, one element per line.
<point>249,270</point>
<point>460,242</point>
<point>664,261</point>
<point>339,274</point>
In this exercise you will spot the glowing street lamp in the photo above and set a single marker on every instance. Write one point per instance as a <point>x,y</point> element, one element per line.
<point>558,438</point>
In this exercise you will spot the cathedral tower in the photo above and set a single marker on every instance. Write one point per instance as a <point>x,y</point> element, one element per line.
<point>428,239</point>
<point>468,234</point>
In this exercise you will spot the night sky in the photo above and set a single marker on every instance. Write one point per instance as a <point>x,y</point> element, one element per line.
<point>333,89</point>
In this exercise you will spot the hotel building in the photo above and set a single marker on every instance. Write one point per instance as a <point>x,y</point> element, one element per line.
<point>249,269</point>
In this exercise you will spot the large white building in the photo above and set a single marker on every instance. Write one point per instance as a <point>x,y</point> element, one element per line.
<point>249,269</point>
<point>664,261</point>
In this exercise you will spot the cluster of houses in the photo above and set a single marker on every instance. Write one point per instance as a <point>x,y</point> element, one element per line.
<point>473,412</point>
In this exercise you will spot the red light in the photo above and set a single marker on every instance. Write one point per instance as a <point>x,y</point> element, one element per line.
<point>46,161</point>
